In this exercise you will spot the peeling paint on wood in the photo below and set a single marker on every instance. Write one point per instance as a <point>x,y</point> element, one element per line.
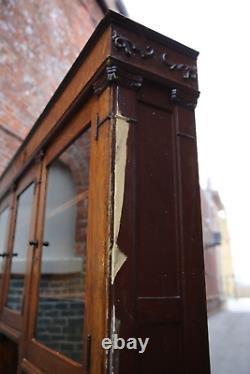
<point>121,132</point>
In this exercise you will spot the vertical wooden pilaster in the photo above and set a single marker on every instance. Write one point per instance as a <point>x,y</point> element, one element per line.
<point>196,354</point>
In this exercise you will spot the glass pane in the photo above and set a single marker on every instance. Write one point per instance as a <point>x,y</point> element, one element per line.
<point>20,247</point>
<point>62,283</point>
<point>4,216</point>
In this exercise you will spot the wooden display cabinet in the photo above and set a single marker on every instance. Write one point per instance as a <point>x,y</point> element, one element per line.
<point>100,221</point>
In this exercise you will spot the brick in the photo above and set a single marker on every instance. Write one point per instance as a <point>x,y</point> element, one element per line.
<point>38,44</point>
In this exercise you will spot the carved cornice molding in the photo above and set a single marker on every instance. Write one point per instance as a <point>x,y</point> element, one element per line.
<point>186,99</point>
<point>115,75</point>
<point>188,72</point>
<point>130,49</point>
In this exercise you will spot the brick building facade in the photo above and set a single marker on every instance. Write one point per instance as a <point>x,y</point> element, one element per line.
<point>217,255</point>
<point>39,41</point>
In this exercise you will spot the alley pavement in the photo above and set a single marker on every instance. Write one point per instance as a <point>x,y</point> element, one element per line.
<point>229,336</point>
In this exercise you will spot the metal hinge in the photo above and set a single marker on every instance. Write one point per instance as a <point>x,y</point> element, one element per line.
<point>88,355</point>
<point>5,254</point>
<point>99,123</point>
<point>40,155</point>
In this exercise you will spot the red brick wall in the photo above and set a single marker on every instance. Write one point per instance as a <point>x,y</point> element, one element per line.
<point>77,159</point>
<point>8,146</point>
<point>39,41</point>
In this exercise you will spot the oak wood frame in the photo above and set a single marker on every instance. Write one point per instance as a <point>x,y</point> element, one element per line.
<point>10,317</point>
<point>37,353</point>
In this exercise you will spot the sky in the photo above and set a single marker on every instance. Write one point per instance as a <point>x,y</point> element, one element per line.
<point>220,31</point>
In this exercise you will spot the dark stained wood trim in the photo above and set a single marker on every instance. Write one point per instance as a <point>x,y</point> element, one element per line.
<point>194,314</point>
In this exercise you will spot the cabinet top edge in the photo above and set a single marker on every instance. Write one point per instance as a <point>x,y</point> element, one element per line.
<point>106,26</point>
<point>113,17</point>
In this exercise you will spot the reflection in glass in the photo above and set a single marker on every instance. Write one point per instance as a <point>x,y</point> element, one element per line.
<point>62,293</point>
<point>4,216</point>
<point>20,248</point>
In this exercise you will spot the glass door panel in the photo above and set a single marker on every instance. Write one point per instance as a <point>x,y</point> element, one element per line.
<point>20,247</point>
<point>60,316</point>
<point>4,220</point>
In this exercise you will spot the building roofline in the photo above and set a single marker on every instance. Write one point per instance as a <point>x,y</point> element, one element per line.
<point>119,4</point>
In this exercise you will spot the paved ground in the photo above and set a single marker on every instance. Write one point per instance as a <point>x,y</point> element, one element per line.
<point>229,334</point>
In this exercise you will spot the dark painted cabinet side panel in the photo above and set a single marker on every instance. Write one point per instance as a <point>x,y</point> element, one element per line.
<point>159,292</point>
<point>147,288</point>
<point>156,202</point>
<point>195,315</point>
<point>157,262</point>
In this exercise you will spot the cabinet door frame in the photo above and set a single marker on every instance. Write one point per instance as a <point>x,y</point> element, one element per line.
<point>7,202</point>
<point>35,353</point>
<point>10,318</point>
